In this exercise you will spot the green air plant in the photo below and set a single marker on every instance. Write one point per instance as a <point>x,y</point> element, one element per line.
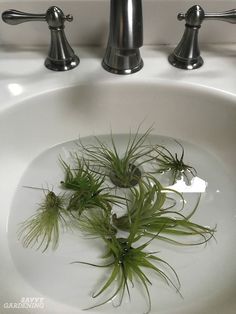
<point>127,264</point>
<point>123,169</point>
<point>97,223</point>
<point>87,188</point>
<point>43,228</point>
<point>149,211</point>
<point>173,164</point>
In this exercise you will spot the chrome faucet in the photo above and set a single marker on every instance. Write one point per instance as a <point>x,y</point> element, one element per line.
<point>61,56</point>
<point>125,37</point>
<point>187,53</point>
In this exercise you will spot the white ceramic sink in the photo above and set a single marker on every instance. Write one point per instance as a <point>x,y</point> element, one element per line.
<point>202,117</point>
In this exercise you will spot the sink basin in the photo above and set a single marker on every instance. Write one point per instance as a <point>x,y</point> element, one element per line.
<point>204,118</point>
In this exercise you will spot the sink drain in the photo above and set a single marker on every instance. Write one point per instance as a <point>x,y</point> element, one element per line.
<point>127,180</point>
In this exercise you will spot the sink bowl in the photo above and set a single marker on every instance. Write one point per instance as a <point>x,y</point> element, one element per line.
<point>204,118</point>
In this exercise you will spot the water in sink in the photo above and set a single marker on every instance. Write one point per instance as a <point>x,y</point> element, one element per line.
<point>52,274</point>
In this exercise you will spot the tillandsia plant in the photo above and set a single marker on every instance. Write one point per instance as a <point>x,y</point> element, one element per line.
<point>124,170</point>
<point>148,210</point>
<point>173,164</point>
<point>87,188</point>
<point>127,263</point>
<point>43,228</point>
<point>97,223</point>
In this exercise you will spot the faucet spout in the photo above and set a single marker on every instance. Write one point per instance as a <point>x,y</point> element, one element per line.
<point>125,37</point>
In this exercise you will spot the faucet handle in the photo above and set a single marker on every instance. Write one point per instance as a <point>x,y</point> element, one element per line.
<point>187,53</point>
<point>193,17</point>
<point>15,17</point>
<point>226,16</point>
<point>61,56</point>
<point>54,17</point>
<point>199,15</point>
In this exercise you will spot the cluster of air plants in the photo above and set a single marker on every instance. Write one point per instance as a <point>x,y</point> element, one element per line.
<point>149,211</point>
<point>125,257</point>
<point>85,190</point>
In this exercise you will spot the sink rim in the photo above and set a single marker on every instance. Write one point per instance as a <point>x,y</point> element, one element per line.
<point>34,90</point>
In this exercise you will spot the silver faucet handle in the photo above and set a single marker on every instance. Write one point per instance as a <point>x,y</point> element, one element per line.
<point>14,17</point>
<point>193,17</point>
<point>54,17</point>
<point>226,16</point>
<point>61,56</point>
<point>187,53</point>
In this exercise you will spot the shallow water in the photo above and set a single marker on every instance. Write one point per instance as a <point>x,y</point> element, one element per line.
<point>51,272</point>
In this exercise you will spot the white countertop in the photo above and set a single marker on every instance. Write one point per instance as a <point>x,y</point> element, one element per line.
<point>24,75</point>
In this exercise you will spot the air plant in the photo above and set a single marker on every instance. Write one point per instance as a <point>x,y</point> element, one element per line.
<point>43,228</point>
<point>127,264</point>
<point>97,223</point>
<point>148,212</point>
<point>173,164</point>
<point>123,170</point>
<point>87,188</point>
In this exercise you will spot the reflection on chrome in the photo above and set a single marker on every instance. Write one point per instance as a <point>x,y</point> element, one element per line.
<point>15,89</point>
<point>197,185</point>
